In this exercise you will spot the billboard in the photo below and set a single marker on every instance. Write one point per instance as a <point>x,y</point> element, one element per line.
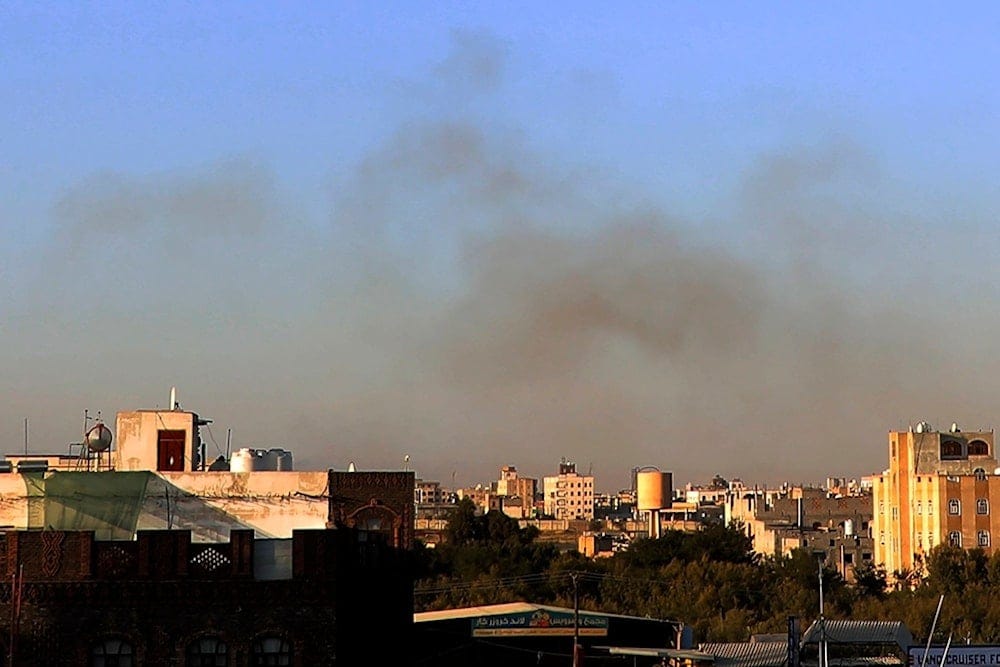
<point>539,623</point>
<point>962,655</point>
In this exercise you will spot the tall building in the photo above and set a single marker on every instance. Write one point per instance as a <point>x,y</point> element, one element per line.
<point>519,490</point>
<point>939,488</point>
<point>569,495</point>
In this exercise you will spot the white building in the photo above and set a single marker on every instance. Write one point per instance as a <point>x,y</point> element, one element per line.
<point>569,495</point>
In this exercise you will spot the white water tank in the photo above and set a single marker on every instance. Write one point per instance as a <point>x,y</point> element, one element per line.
<point>242,461</point>
<point>849,527</point>
<point>655,490</point>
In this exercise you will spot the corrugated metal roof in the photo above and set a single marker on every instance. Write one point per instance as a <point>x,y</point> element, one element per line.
<point>748,654</point>
<point>677,654</point>
<point>860,632</point>
<point>514,608</point>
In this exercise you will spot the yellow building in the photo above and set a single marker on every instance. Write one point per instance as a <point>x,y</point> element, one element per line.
<point>939,487</point>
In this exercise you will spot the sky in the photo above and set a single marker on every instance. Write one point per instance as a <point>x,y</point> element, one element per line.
<point>735,239</point>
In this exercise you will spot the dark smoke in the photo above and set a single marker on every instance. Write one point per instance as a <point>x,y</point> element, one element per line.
<point>476,302</point>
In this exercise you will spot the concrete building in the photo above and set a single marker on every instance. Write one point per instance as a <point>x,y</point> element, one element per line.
<point>781,520</point>
<point>569,495</point>
<point>518,492</point>
<point>940,487</point>
<point>154,477</point>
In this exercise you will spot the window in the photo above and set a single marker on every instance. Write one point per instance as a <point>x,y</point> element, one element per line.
<point>271,651</point>
<point>955,538</point>
<point>951,449</point>
<point>920,509</point>
<point>111,653</point>
<point>895,513</point>
<point>881,508</point>
<point>979,448</point>
<point>954,506</point>
<point>980,474</point>
<point>983,538</point>
<point>207,652</point>
<point>982,506</point>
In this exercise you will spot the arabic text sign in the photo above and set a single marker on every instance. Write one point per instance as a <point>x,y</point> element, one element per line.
<point>541,623</point>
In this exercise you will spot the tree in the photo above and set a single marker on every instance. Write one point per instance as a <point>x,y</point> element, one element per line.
<point>870,580</point>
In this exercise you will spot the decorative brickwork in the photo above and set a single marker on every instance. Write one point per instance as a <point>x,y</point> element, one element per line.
<point>162,593</point>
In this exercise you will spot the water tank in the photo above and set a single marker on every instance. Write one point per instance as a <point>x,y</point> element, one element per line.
<point>264,460</point>
<point>655,489</point>
<point>849,527</point>
<point>31,465</point>
<point>242,460</point>
<point>98,438</point>
<point>219,465</point>
<point>283,460</point>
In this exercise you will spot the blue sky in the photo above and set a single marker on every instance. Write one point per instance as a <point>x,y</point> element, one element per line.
<point>784,135</point>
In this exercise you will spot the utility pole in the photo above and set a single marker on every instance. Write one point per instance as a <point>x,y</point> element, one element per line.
<point>822,658</point>
<point>576,618</point>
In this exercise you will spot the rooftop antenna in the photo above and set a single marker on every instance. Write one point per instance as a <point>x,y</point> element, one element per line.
<point>25,436</point>
<point>229,441</point>
<point>406,462</point>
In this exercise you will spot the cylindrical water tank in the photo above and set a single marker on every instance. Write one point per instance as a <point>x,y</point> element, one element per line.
<point>284,460</point>
<point>849,527</point>
<point>242,461</point>
<point>655,490</point>
<point>263,460</point>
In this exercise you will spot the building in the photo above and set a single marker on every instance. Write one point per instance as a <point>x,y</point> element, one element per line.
<point>569,495</point>
<point>165,600</point>
<point>939,488</point>
<point>519,493</point>
<point>521,633</point>
<point>779,521</point>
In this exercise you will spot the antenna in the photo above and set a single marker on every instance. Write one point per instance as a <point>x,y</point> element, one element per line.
<point>25,436</point>
<point>229,441</point>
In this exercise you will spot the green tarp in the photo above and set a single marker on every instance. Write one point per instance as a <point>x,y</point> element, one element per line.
<point>108,503</point>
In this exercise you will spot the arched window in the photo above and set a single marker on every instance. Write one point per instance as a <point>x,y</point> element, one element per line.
<point>112,653</point>
<point>951,449</point>
<point>979,448</point>
<point>207,652</point>
<point>979,473</point>
<point>271,651</point>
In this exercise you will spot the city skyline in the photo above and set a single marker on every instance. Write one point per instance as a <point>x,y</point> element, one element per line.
<point>700,238</point>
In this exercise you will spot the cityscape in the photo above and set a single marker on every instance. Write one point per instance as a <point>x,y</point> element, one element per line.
<point>450,334</point>
<point>135,543</point>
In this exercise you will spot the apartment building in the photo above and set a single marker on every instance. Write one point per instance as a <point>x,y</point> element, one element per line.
<point>569,495</point>
<point>518,492</point>
<point>940,487</point>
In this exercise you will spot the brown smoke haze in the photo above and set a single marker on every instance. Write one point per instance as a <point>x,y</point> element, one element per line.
<point>472,302</point>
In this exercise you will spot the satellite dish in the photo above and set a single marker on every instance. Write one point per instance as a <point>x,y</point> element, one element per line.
<point>98,438</point>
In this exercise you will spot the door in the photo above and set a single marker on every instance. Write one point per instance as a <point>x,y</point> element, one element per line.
<point>170,450</point>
